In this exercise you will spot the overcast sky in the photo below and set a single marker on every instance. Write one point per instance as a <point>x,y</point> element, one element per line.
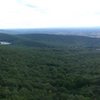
<point>49,13</point>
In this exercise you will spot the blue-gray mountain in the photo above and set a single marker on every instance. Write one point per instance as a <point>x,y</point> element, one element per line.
<point>48,40</point>
<point>91,32</point>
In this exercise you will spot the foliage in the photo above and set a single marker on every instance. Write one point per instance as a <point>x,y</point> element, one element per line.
<point>49,73</point>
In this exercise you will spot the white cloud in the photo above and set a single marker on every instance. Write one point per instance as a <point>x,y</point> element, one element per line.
<point>49,13</point>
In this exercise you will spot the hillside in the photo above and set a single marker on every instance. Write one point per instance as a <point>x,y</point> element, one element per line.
<point>46,40</point>
<point>49,74</point>
<point>17,41</point>
<point>53,67</point>
<point>63,40</point>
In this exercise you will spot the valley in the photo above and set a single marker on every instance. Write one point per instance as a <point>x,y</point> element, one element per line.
<point>49,67</point>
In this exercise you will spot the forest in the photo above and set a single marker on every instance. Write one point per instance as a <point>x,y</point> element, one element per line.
<point>49,67</point>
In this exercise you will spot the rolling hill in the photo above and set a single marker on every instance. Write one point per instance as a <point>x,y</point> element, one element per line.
<point>18,41</point>
<point>49,67</point>
<point>63,41</point>
<point>47,40</point>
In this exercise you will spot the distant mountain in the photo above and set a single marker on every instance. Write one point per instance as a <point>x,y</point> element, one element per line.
<point>63,40</point>
<point>47,40</point>
<point>18,41</point>
<point>91,32</point>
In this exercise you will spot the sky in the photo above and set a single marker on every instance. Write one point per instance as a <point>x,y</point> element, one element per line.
<point>49,13</point>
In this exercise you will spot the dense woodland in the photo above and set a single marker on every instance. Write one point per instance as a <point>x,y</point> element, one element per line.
<point>50,68</point>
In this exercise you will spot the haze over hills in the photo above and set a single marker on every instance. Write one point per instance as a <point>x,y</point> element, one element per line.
<point>91,32</point>
<point>50,40</point>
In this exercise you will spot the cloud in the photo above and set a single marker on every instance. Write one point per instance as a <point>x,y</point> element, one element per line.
<point>97,13</point>
<point>49,13</point>
<point>33,6</point>
<point>26,4</point>
<point>36,8</point>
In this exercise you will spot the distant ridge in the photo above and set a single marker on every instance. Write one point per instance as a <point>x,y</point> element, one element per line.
<point>51,40</point>
<point>63,40</point>
<point>18,41</point>
<point>91,32</point>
